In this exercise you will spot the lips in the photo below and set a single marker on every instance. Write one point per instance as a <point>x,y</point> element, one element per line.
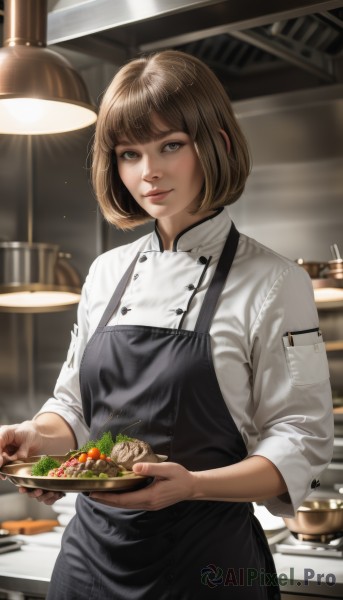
<point>154,193</point>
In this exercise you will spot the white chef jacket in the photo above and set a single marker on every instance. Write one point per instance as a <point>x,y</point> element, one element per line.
<point>276,386</point>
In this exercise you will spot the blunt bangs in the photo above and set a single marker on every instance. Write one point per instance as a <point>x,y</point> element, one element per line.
<point>186,96</point>
<point>136,101</point>
<point>133,121</point>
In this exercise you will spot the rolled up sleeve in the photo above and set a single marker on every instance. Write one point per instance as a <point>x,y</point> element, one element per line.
<point>293,402</point>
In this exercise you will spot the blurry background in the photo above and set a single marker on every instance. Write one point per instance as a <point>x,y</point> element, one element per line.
<point>283,71</point>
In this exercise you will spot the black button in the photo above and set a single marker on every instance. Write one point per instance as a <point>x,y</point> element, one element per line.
<point>314,484</point>
<point>143,258</point>
<point>191,286</point>
<point>202,260</point>
<point>136,276</point>
<point>179,311</point>
<point>170,576</point>
<point>124,310</point>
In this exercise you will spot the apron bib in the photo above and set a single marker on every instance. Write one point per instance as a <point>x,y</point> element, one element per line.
<point>161,384</point>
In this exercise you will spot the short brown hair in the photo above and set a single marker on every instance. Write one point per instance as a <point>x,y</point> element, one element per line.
<point>188,97</point>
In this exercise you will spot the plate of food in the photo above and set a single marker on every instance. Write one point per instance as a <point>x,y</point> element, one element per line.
<point>102,465</point>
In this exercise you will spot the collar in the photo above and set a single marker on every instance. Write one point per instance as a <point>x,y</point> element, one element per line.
<point>205,235</point>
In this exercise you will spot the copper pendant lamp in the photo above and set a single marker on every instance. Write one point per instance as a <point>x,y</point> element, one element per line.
<point>40,92</point>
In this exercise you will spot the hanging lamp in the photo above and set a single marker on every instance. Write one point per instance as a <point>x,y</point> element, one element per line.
<point>40,92</point>
<point>36,277</point>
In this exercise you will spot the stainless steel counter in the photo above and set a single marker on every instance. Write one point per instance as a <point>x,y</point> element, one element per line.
<point>28,570</point>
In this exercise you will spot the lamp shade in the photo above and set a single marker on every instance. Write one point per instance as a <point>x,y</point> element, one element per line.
<point>40,92</point>
<point>36,278</point>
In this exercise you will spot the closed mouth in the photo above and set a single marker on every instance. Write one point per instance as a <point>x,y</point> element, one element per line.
<point>153,193</point>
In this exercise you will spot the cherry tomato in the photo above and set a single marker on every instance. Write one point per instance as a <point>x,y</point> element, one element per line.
<point>83,457</point>
<point>102,457</point>
<point>93,453</point>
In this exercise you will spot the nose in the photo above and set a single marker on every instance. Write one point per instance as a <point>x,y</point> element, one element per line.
<point>151,168</point>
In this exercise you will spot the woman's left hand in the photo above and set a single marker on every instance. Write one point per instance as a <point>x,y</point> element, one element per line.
<point>172,483</point>
<point>44,496</point>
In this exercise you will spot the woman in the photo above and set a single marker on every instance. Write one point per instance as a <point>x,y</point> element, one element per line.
<point>201,340</point>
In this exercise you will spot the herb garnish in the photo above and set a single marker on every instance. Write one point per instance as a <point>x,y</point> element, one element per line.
<point>43,466</point>
<point>104,444</point>
<point>123,438</point>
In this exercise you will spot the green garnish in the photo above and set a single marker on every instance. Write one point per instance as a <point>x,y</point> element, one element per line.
<point>91,475</point>
<point>104,444</point>
<point>44,465</point>
<point>87,475</point>
<point>123,438</point>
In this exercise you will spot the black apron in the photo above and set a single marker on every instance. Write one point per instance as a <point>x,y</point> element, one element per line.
<point>162,383</point>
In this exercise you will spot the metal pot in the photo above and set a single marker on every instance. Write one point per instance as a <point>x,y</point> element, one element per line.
<point>335,269</point>
<point>22,264</point>
<point>317,519</point>
<point>36,278</point>
<point>313,268</point>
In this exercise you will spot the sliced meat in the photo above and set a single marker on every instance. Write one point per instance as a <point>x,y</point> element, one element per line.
<point>128,453</point>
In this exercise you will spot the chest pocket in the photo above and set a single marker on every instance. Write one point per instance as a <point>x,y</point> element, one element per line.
<point>306,357</point>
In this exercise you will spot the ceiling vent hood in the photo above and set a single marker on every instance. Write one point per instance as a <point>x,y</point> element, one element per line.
<point>256,48</point>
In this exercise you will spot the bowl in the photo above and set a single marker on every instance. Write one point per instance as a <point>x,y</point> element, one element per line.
<point>317,518</point>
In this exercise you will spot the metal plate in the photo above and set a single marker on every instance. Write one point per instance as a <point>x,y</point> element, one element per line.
<point>19,473</point>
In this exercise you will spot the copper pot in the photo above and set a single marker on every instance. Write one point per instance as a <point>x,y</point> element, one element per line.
<point>313,268</point>
<point>317,519</point>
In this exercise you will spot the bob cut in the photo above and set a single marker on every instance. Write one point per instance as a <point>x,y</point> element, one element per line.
<point>186,95</point>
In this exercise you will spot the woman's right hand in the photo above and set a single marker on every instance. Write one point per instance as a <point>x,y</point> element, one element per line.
<point>19,441</point>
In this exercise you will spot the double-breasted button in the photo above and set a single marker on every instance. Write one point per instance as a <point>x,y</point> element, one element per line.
<point>179,311</point>
<point>314,484</point>
<point>190,287</point>
<point>142,258</point>
<point>124,310</point>
<point>136,275</point>
<point>202,260</point>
